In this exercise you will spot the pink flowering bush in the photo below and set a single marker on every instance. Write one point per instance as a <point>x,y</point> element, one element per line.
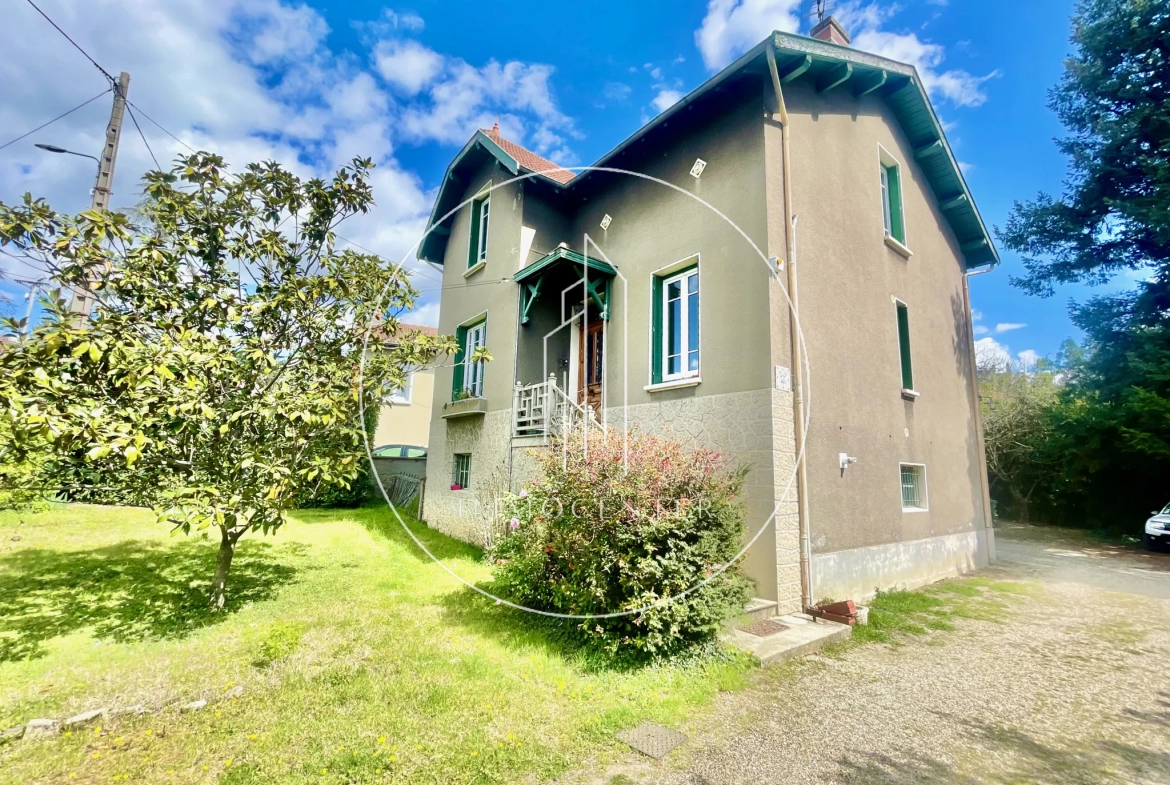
<point>629,529</point>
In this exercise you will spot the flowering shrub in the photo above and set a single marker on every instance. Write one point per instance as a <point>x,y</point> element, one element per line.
<point>623,529</point>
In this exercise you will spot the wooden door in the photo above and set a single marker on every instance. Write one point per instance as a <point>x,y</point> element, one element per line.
<point>590,364</point>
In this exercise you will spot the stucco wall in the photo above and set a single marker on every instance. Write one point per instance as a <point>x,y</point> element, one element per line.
<point>847,277</point>
<point>408,423</point>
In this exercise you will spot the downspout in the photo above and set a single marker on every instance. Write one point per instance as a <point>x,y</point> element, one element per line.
<point>806,588</point>
<point>985,486</point>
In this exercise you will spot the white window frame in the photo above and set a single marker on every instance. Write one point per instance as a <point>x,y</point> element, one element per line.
<point>475,338</point>
<point>455,470</point>
<point>402,396</point>
<point>684,333</point>
<point>901,246</point>
<point>484,218</point>
<point>924,495</point>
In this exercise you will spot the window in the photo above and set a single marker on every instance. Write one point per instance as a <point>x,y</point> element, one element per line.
<point>461,472</point>
<point>468,377</point>
<point>913,486</point>
<point>478,241</point>
<point>676,326</point>
<point>401,396</point>
<point>891,177</point>
<point>904,345</point>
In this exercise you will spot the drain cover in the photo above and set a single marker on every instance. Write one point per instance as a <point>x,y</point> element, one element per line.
<point>765,627</point>
<point>651,739</point>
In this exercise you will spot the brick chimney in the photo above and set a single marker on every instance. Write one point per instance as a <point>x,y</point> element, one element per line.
<point>829,29</point>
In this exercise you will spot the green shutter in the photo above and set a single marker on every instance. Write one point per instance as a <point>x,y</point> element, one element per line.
<point>457,375</point>
<point>897,226</point>
<point>473,237</point>
<point>904,346</point>
<point>655,330</point>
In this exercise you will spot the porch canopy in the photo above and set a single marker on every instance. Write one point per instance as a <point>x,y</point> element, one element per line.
<point>597,275</point>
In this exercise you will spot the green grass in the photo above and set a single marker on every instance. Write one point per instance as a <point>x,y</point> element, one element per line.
<point>359,660</point>
<point>896,617</point>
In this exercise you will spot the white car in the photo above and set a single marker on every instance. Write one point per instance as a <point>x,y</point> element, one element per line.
<point>1158,529</point>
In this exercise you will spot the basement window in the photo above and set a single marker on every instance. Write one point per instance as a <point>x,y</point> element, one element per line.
<point>913,486</point>
<point>461,471</point>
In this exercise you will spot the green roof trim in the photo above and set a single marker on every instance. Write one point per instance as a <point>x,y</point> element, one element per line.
<point>827,66</point>
<point>549,259</point>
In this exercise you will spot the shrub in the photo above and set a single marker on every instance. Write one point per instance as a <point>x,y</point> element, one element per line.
<point>597,534</point>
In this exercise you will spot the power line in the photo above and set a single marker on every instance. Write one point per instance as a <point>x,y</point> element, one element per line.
<point>165,131</point>
<point>136,125</point>
<point>55,119</point>
<point>424,273</point>
<point>75,44</point>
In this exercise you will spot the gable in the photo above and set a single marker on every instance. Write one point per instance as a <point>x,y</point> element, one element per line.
<point>824,65</point>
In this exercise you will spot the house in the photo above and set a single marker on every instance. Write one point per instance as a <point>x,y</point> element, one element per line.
<point>405,418</point>
<point>607,298</point>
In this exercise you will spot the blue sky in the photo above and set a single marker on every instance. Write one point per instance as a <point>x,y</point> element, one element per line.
<point>314,84</point>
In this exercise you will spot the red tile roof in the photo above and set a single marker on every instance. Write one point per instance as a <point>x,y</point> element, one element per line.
<point>529,159</point>
<point>403,327</point>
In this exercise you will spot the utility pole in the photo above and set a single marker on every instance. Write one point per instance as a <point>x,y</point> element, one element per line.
<point>83,300</point>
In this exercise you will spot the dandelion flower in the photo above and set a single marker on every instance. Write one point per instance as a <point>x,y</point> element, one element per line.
<point>381,739</point>
<point>474,753</point>
<point>227,762</point>
<point>393,757</point>
<point>97,754</point>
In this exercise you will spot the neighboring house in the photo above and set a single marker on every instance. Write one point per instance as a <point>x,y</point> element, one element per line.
<point>873,227</point>
<point>405,417</point>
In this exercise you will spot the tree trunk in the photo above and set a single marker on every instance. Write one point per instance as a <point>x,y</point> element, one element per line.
<point>223,564</point>
<point>1022,508</point>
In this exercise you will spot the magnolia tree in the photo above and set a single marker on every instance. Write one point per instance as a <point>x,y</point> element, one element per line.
<point>227,339</point>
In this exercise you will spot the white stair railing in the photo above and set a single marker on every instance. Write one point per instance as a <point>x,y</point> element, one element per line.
<point>544,409</point>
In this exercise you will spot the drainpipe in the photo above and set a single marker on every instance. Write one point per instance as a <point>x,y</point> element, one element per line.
<point>806,589</point>
<point>985,487</point>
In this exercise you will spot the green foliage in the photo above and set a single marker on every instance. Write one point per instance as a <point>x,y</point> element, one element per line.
<point>329,495</point>
<point>281,640</point>
<point>628,527</point>
<point>1106,448</point>
<point>225,343</point>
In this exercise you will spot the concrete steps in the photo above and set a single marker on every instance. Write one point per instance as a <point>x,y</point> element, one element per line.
<point>804,635</point>
<point>758,610</point>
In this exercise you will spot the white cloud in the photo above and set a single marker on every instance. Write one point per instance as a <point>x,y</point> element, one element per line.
<point>616,91</point>
<point>408,65</point>
<point>427,314</point>
<point>1004,327</point>
<point>250,80</point>
<point>976,315</point>
<point>1029,358</point>
<point>955,85</point>
<point>731,27</point>
<point>979,329</point>
<point>465,98</point>
<point>666,99</point>
<point>992,355</point>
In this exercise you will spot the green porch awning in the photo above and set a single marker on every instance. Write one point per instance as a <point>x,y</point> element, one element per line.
<point>599,277</point>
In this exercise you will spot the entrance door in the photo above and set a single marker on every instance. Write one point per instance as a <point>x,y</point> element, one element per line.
<point>589,366</point>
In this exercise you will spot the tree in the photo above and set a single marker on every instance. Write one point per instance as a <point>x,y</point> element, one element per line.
<point>1114,100</point>
<point>1017,429</point>
<point>1113,418</point>
<point>229,335</point>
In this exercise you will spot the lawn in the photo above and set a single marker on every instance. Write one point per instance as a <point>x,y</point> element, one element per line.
<point>344,656</point>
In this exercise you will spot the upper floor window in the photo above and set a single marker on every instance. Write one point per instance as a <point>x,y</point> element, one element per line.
<point>400,396</point>
<point>468,378</point>
<point>676,325</point>
<point>478,241</point>
<point>904,345</point>
<point>892,215</point>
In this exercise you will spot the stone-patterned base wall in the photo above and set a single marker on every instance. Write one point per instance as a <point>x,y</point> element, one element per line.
<point>466,514</point>
<point>756,428</point>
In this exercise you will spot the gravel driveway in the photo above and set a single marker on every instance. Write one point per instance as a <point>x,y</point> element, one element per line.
<point>1074,689</point>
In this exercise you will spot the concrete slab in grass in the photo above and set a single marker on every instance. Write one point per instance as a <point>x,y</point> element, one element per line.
<point>803,636</point>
